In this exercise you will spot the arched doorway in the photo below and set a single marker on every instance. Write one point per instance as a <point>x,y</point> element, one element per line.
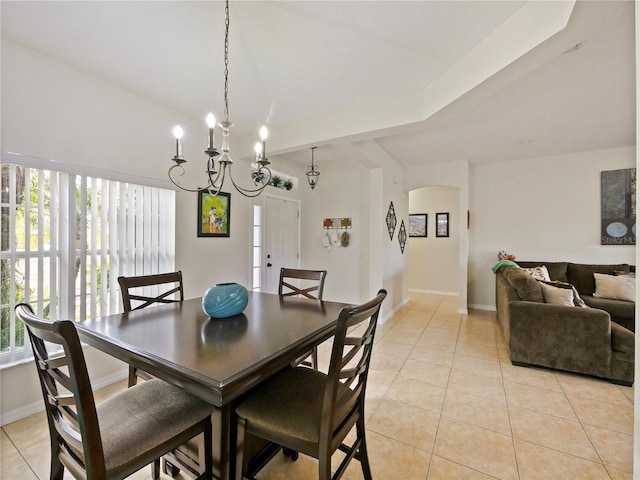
<point>433,258</point>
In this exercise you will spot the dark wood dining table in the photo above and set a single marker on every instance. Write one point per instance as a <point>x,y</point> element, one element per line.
<point>217,360</point>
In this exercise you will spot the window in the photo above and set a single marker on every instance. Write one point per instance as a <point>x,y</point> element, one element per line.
<point>257,249</point>
<point>67,233</point>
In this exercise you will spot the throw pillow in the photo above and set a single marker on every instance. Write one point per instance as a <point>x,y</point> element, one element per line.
<point>577,301</point>
<point>539,273</point>
<point>615,287</point>
<point>557,295</point>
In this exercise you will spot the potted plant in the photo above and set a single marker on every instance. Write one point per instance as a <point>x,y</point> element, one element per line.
<point>258,177</point>
<point>276,181</point>
<point>288,184</point>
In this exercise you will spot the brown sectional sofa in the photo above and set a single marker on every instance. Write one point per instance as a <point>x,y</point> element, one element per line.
<point>598,341</point>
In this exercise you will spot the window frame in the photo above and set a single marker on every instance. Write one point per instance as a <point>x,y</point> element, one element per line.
<point>126,228</point>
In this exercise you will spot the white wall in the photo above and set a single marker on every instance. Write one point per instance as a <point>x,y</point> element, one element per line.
<point>540,209</point>
<point>342,191</point>
<point>433,261</point>
<point>394,261</point>
<point>372,260</point>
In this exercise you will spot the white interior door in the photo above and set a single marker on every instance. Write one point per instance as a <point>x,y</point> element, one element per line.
<point>281,224</point>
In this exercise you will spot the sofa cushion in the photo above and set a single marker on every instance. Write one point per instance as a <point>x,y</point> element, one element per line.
<point>615,287</point>
<point>581,275</point>
<point>557,270</point>
<point>524,284</point>
<point>622,340</point>
<point>616,308</point>
<point>557,295</point>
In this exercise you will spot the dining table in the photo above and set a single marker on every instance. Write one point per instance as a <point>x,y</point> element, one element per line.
<point>216,359</point>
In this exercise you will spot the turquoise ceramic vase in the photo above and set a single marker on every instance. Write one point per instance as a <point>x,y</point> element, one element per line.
<point>224,300</point>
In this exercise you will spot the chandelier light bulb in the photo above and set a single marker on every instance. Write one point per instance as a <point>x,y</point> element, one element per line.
<point>178,132</point>
<point>211,120</point>
<point>264,133</point>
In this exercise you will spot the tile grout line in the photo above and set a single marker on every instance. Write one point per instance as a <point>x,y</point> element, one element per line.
<point>444,400</point>
<point>604,466</point>
<point>21,455</point>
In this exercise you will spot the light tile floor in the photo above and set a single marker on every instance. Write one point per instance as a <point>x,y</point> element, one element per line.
<point>443,402</point>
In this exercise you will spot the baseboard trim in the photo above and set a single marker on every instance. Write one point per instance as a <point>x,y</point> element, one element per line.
<point>36,407</point>
<point>434,292</point>
<point>476,306</point>
<point>393,312</point>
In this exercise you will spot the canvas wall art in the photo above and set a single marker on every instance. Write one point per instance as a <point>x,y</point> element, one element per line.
<point>618,220</point>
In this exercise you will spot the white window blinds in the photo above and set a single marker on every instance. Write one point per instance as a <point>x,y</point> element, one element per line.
<point>67,233</point>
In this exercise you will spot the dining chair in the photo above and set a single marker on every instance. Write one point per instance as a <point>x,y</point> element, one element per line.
<point>317,277</point>
<point>119,436</point>
<point>311,412</point>
<point>308,281</point>
<point>134,298</point>
<point>171,284</point>
<point>171,281</point>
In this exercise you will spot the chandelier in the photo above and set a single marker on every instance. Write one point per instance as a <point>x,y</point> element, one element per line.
<point>215,178</point>
<point>313,173</point>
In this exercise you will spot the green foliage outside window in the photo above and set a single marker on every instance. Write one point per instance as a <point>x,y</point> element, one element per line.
<point>38,185</point>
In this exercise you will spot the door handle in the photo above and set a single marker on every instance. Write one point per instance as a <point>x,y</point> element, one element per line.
<point>269,265</point>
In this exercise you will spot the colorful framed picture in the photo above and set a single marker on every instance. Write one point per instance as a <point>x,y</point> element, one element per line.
<point>214,213</point>
<point>418,224</point>
<point>442,224</point>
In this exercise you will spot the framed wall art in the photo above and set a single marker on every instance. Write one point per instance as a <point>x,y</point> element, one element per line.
<point>214,214</point>
<point>391,221</point>
<point>618,204</point>
<point>442,224</point>
<point>418,224</point>
<point>402,237</point>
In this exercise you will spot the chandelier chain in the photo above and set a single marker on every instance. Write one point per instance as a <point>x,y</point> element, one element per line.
<point>261,175</point>
<point>226,62</point>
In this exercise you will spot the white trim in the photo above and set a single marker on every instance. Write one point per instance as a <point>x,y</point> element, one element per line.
<point>393,311</point>
<point>84,170</point>
<point>490,308</point>
<point>22,412</point>
<point>434,292</point>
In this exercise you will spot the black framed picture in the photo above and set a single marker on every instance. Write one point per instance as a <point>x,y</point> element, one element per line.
<point>442,224</point>
<point>214,213</point>
<point>418,224</point>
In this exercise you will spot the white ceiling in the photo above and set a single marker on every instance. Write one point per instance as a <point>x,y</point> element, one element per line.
<point>291,61</point>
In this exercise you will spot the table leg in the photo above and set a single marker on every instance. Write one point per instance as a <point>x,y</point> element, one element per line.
<point>224,446</point>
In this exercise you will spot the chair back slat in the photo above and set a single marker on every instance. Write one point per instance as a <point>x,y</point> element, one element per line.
<point>69,401</point>
<point>130,289</point>
<point>349,367</point>
<point>60,377</point>
<point>70,433</point>
<point>71,417</point>
<point>286,288</point>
